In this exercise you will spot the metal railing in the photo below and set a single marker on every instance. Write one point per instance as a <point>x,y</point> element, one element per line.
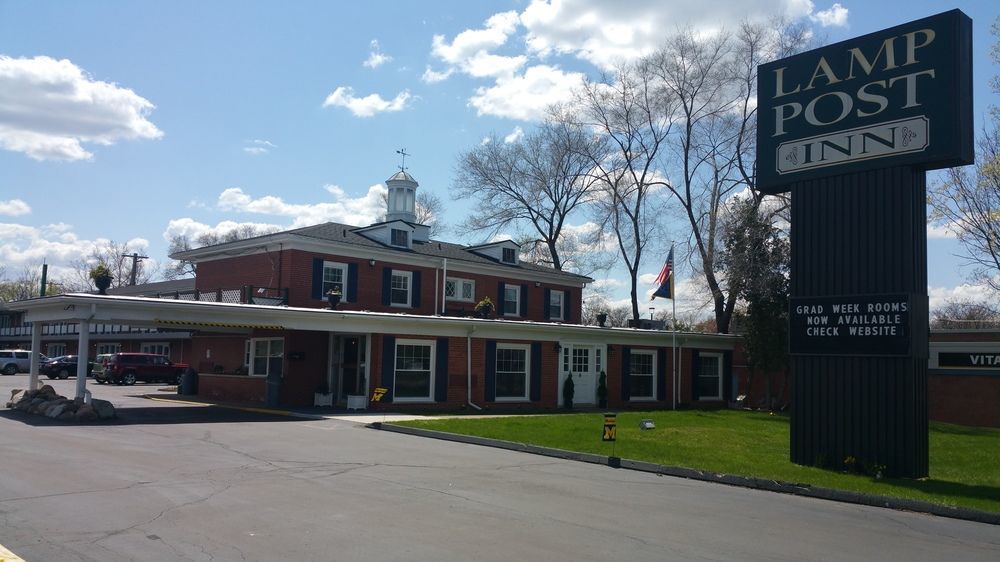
<point>247,294</point>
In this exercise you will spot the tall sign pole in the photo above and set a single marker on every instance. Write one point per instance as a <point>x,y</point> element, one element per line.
<point>850,129</point>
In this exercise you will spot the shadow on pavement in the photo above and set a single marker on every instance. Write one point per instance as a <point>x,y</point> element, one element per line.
<point>157,415</point>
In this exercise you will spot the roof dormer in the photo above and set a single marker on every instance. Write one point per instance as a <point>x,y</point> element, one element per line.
<point>503,251</point>
<point>395,233</point>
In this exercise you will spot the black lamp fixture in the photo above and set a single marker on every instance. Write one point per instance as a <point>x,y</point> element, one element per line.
<point>371,262</point>
<point>558,347</point>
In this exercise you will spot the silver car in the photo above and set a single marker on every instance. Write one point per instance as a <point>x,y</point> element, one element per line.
<point>14,361</point>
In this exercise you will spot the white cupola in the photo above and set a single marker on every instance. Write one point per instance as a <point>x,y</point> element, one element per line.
<point>402,197</point>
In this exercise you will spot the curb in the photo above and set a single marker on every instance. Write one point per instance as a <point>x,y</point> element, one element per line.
<point>252,409</point>
<point>807,490</point>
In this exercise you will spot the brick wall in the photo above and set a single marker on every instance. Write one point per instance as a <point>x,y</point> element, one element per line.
<point>964,399</point>
<point>231,388</point>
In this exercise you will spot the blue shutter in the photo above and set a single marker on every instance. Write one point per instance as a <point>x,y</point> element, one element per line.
<point>500,298</point>
<point>727,375</point>
<point>626,373</point>
<point>352,283</point>
<point>546,303</point>
<point>415,290</point>
<point>524,301</point>
<point>441,371</point>
<point>491,370</point>
<point>695,369</point>
<point>661,374</point>
<point>317,280</point>
<point>536,372</point>
<point>386,285</point>
<point>388,365</point>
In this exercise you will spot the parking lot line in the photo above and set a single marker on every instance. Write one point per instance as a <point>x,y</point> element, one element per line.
<point>8,556</point>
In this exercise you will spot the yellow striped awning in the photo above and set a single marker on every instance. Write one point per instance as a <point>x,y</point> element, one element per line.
<point>198,324</point>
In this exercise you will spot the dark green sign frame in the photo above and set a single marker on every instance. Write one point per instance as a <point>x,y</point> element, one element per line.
<point>900,96</point>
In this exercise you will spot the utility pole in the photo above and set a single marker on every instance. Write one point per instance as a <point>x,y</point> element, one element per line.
<point>135,260</point>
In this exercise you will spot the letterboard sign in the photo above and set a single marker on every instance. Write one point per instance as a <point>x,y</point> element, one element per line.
<point>900,96</point>
<point>850,325</point>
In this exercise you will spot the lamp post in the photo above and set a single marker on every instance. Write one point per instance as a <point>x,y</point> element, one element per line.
<point>651,309</point>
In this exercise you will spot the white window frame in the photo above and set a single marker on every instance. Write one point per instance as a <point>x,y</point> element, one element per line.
<point>155,347</point>
<point>409,288</point>
<point>562,304</point>
<point>517,300</point>
<point>343,275</point>
<point>652,374</point>
<point>253,348</point>
<point>404,232</point>
<point>107,348</point>
<point>459,285</point>
<point>503,255</point>
<point>527,371</point>
<point>701,357</point>
<point>433,368</point>
<point>55,349</point>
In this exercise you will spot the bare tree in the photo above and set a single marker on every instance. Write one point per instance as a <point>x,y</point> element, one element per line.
<point>535,183</point>
<point>113,255</point>
<point>182,243</point>
<point>26,285</point>
<point>961,314</point>
<point>633,119</point>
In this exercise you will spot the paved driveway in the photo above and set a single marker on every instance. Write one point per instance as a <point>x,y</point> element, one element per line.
<point>196,483</point>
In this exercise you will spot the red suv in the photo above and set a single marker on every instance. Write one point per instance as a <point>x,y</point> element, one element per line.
<point>126,368</point>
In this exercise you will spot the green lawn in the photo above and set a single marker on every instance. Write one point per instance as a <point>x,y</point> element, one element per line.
<point>964,461</point>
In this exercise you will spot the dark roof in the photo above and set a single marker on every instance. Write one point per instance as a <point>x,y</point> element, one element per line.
<point>402,175</point>
<point>147,289</point>
<point>335,232</point>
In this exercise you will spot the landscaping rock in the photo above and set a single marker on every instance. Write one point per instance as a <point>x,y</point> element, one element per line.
<point>46,402</point>
<point>55,410</point>
<point>16,396</point>
<point>86,413</point>
<point>104,409</point>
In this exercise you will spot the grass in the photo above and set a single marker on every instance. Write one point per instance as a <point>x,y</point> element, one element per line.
<point>964,461</point>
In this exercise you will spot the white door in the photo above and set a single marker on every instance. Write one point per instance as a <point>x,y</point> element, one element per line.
<point>583,362</point>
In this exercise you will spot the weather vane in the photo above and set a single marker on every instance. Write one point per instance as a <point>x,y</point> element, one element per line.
<point>402,151</point>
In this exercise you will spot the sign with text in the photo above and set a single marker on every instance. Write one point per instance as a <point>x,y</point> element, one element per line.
<point>970,360</point>
<point>610,432</point>
<point>850,325</point>
<point>900,96</point>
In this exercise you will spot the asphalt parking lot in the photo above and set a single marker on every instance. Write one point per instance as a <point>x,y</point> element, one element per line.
<point>183,482</point>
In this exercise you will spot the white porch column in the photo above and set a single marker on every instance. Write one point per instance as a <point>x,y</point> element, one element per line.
<point>36,348</point>
<point>83,358</point>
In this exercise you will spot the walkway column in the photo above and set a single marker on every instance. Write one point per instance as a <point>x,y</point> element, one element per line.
<point>83,358</point>
<point>36,348</point>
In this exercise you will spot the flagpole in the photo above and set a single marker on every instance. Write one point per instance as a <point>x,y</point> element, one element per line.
<point>673,351</point>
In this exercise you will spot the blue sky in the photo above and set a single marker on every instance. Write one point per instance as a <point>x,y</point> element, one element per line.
<point>198,115</point>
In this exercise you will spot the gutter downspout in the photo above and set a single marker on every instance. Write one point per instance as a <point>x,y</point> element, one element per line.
<point>444,285</point>
<point>468,368</point>
<point>437,279</point>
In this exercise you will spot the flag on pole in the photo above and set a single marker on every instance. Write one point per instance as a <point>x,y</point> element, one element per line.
<point>665,279</point>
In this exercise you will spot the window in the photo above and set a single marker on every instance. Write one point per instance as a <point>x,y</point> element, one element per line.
<point>399,237</point>
<point>642,376</point>
<point>710,377</point>
<point>512,371</point>
<point>55,349</point>
<point>581,360</point>
<point>104,348</point>
<point>511,299</point>
<point>246,354</point>
<point>509,256</point>
<point>414,371</point>
<point>268,356</point>
<point>335,277</point>
<point>399,289</point>
<point>460,289</point>
<point>556,305</point>
<point>159,348</point>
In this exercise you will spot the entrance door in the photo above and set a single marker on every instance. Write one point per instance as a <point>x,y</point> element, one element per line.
<point>584,362</point>
<point>352,368</point>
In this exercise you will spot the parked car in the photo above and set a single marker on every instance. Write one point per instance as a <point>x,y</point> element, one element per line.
<point>127,368</point>
<point>100,370</point>
<point>14,361</point>
<point>62,367</point>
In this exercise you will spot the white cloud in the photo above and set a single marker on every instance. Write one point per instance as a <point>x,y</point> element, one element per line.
<point>192,229</point>
<point>939,296</point>
<point>514,136</point>
<point>257,147</point>
<point>940,231</point>
<point>526,96</point>
<point>376,58</point>
<point>432,76</point>
<point>471,42</point>
<point>367,106</point>
<point>57,244</point>
<point>49,108</point>
<point>14,208</point>
<point>362,210</point>
<point>605,32</point>
<point>835,16</point>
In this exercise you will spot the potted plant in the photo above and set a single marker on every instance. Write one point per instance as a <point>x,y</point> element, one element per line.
<point>602,318</point>
<point>101,276</point>
<point>602,390</point>
<point>568,392</point>
<point>485,307</point>
<point>333,297</point>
